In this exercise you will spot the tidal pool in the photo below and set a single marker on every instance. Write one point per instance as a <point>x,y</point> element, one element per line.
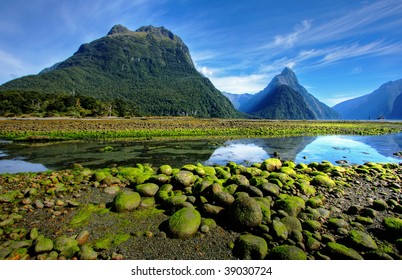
<point>18,157</point>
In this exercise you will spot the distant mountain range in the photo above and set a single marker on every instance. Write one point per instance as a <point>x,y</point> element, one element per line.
<point>384,102</point>
<point>151,68</point>
<point>283,98</point>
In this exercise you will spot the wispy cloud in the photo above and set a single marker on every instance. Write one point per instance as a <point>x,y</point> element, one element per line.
<point>11,66</point>
<point>288,40</point>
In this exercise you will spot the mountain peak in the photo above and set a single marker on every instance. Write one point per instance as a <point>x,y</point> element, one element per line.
<point>157,31</point>
<point>117,29</point>
<point>288,72</point>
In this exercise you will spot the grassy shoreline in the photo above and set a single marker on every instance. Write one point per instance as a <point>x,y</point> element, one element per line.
<point>59,129</point>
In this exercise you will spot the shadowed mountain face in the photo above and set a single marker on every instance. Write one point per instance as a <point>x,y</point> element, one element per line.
<point>151,67</point>
<point>383,102</point>
<point>285,98</point>
<point>397,110</point>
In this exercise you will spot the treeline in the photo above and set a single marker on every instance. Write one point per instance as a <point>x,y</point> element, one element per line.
<point>35,104</point>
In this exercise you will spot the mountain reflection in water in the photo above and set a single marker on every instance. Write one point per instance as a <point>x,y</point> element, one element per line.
<point>15,157</point>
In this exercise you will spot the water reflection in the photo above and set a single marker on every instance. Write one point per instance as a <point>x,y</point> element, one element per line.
<point>240,153</point>
<point>16,157</point>
<point>17,165</point>
<point>345,148</point>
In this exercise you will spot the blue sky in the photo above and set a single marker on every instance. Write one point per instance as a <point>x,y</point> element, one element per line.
<point>338,49</point>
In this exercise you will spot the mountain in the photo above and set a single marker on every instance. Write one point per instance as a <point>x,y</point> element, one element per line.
<point>379,103</point>
<point>238,99</point>
<point>397,110</point>
<point>150,67</point>
<point>283,102</point>
<point>295,97</point>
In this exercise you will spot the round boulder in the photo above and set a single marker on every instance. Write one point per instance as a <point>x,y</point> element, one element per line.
<point>245,213</point>
<point>250,247</point>
<point>184,223</point>
<point>148,189</point>
<point>126,201</point>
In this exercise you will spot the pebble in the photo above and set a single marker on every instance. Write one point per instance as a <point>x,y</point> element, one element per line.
<point>39,204</point>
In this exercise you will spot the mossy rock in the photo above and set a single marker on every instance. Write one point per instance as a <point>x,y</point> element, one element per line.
<point>282,177</point>
<point>279,230</point>
<point>221,173</point>
<point>208,222</point>
<point>361,241</point>
<point>126,201</point>
<point>313,244</point>
<point>43,245</point>
<point>223,199</point>
<point>393,225</point>
<point>184,223</point>
<point>312,225</point>
<point>87,253</point>
<point>148,189</point>
<point>184,179</point>
<point>292,205</point>
<point>380,205</point>
<point>270,189</point>
<point>147,203</point>
<point>288,171</point>
<point>257,180</point>
<point>364,220</point>
<point>287,252</point>
<point>265,209</point>
<point>250,247</point>
<point>66,247</point>
<point>239,180</point>
<point>292,224</point>
<point>211,210</point>
<point>271,164</point>
<point>245,213</point>
<point>251,190</point>
<point>305,187</point>
<point>9,197</point>
<point>165,169</point>
<point>338,251</point>
<point>336,223</point>
<point>323,181</point>
<point>314,202</point>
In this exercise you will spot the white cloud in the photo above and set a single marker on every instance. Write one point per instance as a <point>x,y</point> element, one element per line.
<point>241,84</point>
<point>205,71</point>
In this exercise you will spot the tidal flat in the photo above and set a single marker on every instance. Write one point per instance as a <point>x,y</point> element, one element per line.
<point>274,209</point>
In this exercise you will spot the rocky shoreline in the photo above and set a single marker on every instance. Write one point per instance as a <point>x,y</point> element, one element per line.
<point>270,210</point>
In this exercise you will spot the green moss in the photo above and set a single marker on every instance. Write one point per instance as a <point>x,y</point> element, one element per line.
<point>292,205</point>
<point>110,241</point>
<point>393,225</point>
<point>184,223</point>
<point>287,252</point>
<point>84,214</point>
<point>361,241</point>
<point>250,247</point>
<point>338,251</point>
<point>323,180</point>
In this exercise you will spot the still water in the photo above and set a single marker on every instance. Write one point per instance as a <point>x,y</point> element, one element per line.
<point>18,157</point>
